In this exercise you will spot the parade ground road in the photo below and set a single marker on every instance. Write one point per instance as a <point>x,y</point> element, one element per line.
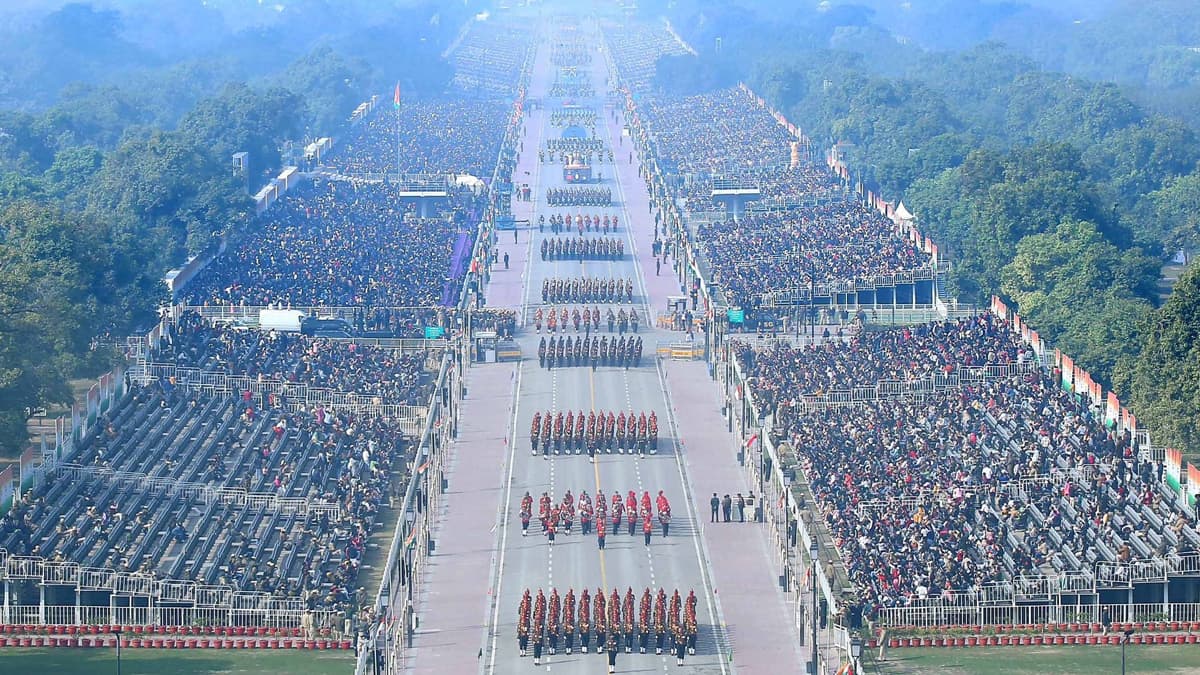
<point>482,564</point>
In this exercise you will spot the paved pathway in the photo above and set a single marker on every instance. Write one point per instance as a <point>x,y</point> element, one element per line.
<point>757,619</point>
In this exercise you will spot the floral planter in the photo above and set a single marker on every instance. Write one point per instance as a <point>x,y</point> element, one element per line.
<point>894,643</point>
<point>1189,639</point>
<point>972,641</point>
<point>990,641</point>
<point>1037,640</point>
<point>1058,640</point>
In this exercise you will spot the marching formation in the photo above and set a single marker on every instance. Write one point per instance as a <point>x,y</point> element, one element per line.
<point>611,624</point>
<point>558,290</point>
<point>587,321</point>
<point>567,350</point>
<point>598,432</point>
<point>583,223</point>
<point>578,196</point>
<point>583,248</point>
<point>637,515</point>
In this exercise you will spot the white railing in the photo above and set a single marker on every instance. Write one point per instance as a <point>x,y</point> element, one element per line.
<point>935,615</point>
<point>285,614</point>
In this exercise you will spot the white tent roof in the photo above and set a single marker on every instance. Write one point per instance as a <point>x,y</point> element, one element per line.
<point>467,180</point>
<point>903,213</point>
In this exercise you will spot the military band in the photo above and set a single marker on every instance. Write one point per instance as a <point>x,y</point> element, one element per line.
<point>600,432</point>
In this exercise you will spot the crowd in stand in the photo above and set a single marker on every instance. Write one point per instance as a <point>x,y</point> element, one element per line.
<point>636,48</point>
<point>489,59</point>
<point>318,454</point>
<point>436,137</point>
<point>340,366</point>
<point>717,133</point>
<point>787,373</point>
<point>980,481</point>
<point>335,244</point>
<point>839,241</point>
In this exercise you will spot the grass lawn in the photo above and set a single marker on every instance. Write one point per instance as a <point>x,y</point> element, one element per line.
<point>1157,659</point>
<point>62,661</point>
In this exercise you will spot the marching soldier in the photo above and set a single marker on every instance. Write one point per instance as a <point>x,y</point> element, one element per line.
<point>526,513</point>
<point>614,615</point>
<point>539,627</point>
<point>535,431</point>
<point>680,644</point>
<point>578,431</point>
<point>628,623</point>
<point>523,622</point>
<point>600,617</point>
<point>660,620</point>
<point>647,528</point>
<point>552,621</point>
<point>689,622</point>
<point>542,353</point>
<point>644,614</point>
<point>631,508</point>
<point>585,621</point>
<point>568,620</point>
<point>600,527</point>
<point>612,653</point>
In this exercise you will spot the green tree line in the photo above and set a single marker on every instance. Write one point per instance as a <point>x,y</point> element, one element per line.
<point>123,172</point>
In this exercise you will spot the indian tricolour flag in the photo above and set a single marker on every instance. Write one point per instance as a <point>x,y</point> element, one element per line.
<point>396,97</point>
<point>1193,484</point>
<point>1174,462</point>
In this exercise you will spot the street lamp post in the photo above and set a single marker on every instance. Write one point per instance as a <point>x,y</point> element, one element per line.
<point>1124,641</point>
<point>855,651</point>
<point>118,634</point>
<point>812,555</point>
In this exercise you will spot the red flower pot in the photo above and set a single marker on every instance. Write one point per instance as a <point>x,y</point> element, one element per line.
<point>1058,639</point>
<point>894,643</point>
<point>1189,639</point>
<point>972,641</point>
<point>1037,640</point>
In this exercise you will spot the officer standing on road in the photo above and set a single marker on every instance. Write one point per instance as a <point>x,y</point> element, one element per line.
<point>612,652</point>
<point>715,503</point>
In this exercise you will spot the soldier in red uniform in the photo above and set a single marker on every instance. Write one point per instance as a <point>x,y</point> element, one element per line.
<point>631,511</point>
<point>600,532</point>
<point>523,620</point>
<point>553,619</point>
<point>526,513</point>
<point>628,622</point>
<point>644,619</point>
<point>585,620</point>
<point>568,620</point>
<point>660,620</point>
<point>599,618</point>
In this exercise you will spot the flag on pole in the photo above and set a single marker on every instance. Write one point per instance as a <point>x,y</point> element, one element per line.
<point>396,97</point>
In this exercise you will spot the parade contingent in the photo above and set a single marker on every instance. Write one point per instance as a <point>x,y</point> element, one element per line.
<point>608,624</point>
<point>578,196</point>
<point>569,350</point>
<point>582,223</point>
<point>582,248</point>
<point>600,431</point>
<point>562,290</point>
<point>628,513</point>
<point>574,117</point>
<point>587,321</point>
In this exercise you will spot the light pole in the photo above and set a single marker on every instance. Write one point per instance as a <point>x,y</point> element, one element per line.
<point>855,651</point>
<point>812,555</point>
<point>118,633</point>
<point>1124,641</point>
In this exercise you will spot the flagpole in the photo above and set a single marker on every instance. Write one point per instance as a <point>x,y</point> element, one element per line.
<point>397,134</point>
